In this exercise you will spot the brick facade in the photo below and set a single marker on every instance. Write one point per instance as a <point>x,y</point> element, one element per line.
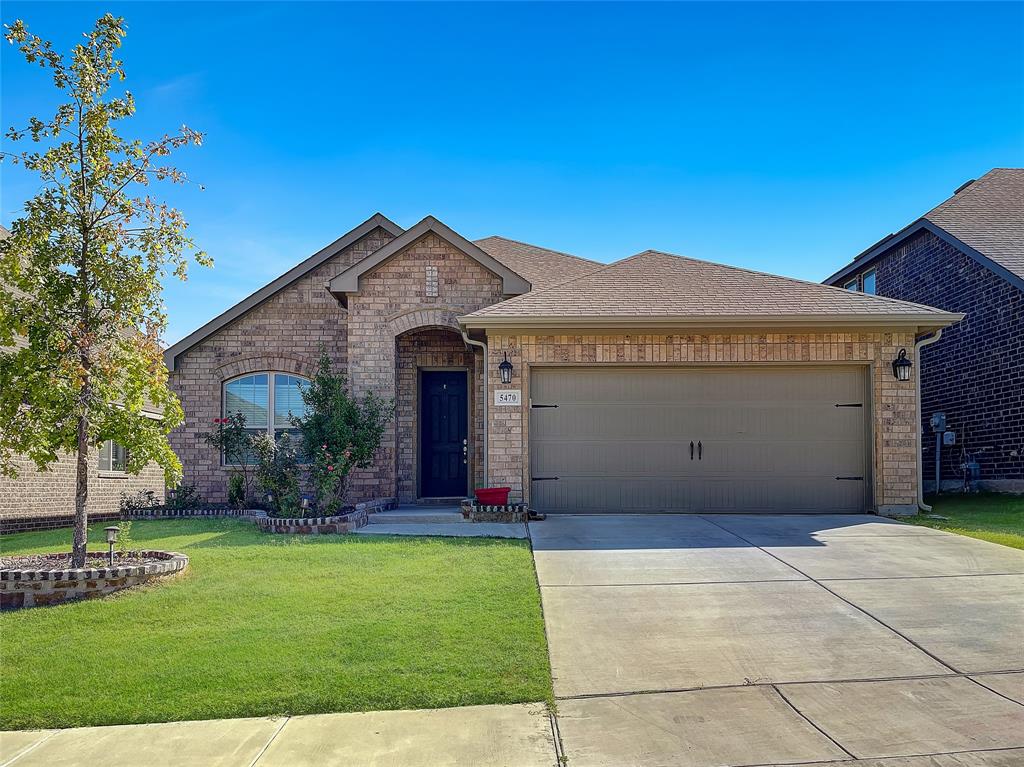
<point>282,334</point>
<point>894,473</point>
<point>37,499</point>
<point>395,299</point>
<point>975,372</point>
<point>403,319</point>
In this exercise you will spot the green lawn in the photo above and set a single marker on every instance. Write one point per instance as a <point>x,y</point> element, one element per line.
<point>262,625</point>
<point>988,516</point>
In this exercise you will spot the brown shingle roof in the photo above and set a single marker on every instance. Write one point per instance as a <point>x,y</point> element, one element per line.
<point>541,267</point>
<point>988,215</point>
<point>660,286</point>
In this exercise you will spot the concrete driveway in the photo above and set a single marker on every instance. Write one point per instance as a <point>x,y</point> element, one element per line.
<point>751,640</point>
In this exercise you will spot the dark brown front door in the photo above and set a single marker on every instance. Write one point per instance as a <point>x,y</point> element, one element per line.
<point>443,433</point>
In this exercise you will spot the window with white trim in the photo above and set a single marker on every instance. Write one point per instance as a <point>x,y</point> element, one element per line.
<point>268,401</point>
<point>113,456</point>
<point>868,279</point>
<point>853,285</point>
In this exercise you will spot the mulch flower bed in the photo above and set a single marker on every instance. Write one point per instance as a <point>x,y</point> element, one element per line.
<point>94,560</point>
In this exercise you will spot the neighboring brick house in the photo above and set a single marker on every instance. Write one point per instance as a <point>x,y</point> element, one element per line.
<point>39,499</point>
<point>654,383</point>
<point>967,256</point>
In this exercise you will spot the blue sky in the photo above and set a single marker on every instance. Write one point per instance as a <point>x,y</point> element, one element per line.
<point>780,137</point>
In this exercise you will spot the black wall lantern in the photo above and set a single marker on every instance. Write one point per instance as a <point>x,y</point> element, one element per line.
<point>505,369</point>
<point>901,366</point>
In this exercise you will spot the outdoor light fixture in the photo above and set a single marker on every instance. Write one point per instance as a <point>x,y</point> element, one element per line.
<point>111,532</point>
<point>305,504</point>
<point>505,369</point>
<point>901,366</point>
<point>269,499</point>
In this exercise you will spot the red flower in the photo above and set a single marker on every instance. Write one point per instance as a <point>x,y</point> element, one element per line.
<point>330,468</point>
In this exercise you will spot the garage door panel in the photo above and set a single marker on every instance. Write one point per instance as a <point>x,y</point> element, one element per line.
<point>588,458</point>
<point>771,439</point>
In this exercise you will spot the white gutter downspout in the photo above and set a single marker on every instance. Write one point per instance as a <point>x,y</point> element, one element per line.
<point>918,345</point>
<point>486,377</point>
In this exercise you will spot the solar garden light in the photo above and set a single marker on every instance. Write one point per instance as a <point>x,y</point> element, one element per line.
<point>901,366</point>
<point>505,369</point>
<point>269,499</point>
<point>111,532</point>
<point>305,503</point>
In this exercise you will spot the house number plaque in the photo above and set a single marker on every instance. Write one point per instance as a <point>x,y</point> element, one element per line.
<point>508,397</point>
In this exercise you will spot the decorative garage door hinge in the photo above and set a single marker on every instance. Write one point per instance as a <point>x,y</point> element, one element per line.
<point>853,478</point>
<point>541,479</point>
<point>532,405</point>
<point>851,404</point>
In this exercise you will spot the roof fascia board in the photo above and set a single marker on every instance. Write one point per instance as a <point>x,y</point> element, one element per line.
<point>922,320</point>
<point>282,282</point>
<point>347,282</point>
<point>876,251</point>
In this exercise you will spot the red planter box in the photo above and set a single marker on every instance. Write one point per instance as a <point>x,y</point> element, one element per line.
<point>493,496</point>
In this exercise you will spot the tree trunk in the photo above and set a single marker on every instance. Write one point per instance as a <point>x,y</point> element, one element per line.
<point>81,493</point>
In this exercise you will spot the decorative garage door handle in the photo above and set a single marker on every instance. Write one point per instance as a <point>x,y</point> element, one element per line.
<point>691,449</point>
<point>700,451</point>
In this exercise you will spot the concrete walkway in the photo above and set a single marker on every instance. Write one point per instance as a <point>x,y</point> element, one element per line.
<point>484,736</point>
<point>751,640</point>
<point>443,521</point>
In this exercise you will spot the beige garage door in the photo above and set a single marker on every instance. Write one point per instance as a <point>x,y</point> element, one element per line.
<point>781,439</point>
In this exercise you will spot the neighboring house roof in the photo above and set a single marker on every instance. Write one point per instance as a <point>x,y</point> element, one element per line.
<point>984,219</point>
<point>540,266</point>
<point>347,282</point>
<point>282,282</point>
<point>658,289</point>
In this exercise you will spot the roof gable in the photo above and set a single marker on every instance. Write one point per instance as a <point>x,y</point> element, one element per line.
<point>347,282</point>
<point>375,221</point>
<point>654,288</point>
<point>984,219</point>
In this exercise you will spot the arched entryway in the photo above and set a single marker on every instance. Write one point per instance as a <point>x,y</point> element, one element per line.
<point>437,414</point>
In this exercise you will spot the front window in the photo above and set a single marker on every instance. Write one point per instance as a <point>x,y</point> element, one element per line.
<point>268,401</point>
<point>852,285</point>
<point>113,456</point>
<point>869,282</point>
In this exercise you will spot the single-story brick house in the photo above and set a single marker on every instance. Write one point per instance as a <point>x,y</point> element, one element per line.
<point>656,383</point>
<point>966,255</point>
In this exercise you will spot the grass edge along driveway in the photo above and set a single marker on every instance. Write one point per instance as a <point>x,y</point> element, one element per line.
<point>265,625</point>
<point>994,517</point>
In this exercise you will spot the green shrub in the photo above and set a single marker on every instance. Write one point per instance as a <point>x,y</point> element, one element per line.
<point>340,433</point>
<point>278,473</point>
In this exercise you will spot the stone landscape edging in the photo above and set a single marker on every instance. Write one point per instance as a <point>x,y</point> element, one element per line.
<point>32,587</point>
<point>337,524</point>
<point>502,513</point>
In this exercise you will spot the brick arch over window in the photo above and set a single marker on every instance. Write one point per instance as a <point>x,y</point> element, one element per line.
<point>261,363</point>
<point>435,316</point>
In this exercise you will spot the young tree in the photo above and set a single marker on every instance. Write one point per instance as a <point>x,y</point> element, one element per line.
<point>340,432</point>
<point>81,272</point>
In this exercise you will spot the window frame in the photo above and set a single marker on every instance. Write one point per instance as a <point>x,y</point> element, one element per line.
<point>852,285</point>
<point>109,470</point>
<point>271,428</point>
<point>863,281</point>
